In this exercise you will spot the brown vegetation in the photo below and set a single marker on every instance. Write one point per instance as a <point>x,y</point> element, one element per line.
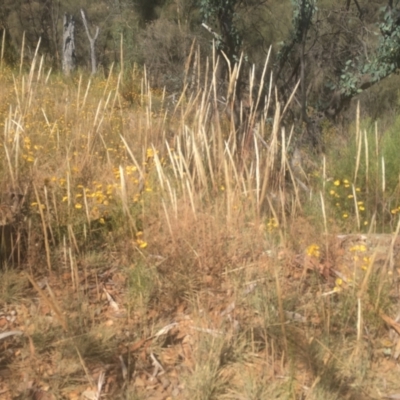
<point>159,257</point>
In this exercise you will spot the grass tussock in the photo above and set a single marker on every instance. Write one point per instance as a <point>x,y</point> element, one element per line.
<point>159,249</point>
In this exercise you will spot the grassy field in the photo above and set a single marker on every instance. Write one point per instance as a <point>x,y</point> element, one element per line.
<point>146,254</point>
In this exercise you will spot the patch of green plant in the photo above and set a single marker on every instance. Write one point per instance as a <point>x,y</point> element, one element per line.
<point>206,382</point>
<point>379,289</point>
<point>363,178</point>
<point>45,336</point>
<point>140,283</point>
<point>96,345</point>
<point>12,286</point>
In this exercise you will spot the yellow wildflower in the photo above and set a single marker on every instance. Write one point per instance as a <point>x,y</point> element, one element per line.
<point>313,251</point>
<point>149,153</point>
<point>360,248</point>
<point>142,244</point>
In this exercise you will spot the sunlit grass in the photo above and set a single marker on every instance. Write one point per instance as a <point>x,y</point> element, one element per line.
<point>139,214</point>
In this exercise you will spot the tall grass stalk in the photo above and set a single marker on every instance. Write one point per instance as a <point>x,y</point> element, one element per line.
<point>232,165</point>
<point>359,320</point>
<point>74,273</point>
<point>288,103</point>
<point>172,160</point>
<point>32,70</point>
<point>39,73</point>
<point>87,210</point>
<point>16,145</point>
<point>365,281</point>
<point>78,92</point>
<point>72,238</point>
<point>383,175</point>
<point>22,54</point>
<point>17,96</point>
<point>10,168</point>
<point>253,114</point>
<point>271,154</point>
<point>257,174</point>
<point>201,173</point>
<point>142,83</point>
<point>121,52</point>
<point>44,229</point>
<point>69,197</point>
<point>188,63</point>
<point>357,122</point>
<point>356,207</point>
<point>161,176</point>
<point>324,213</point>
<point>124,196</point>
<point>228,192</point>
<point>110,75</point>
<point>366,161</point>
<point>46,81</point>
<point>283,201</point>
<point>133,158</point>
<point>208,155</point>
<point>47,208</point>
<point>358,144</point>
<point>184,169</point>
<point>3,43</point>
<point>86,94</point>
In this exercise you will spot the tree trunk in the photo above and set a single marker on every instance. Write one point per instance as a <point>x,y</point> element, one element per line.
<point>69,59</point>
<point>92,41</point>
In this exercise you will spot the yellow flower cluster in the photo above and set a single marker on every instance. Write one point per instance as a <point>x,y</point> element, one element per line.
<point>140,242</point>
<point>344,200</point>
<point>364,261</point>
<point>313,251</point>
<point>358,248</point>
<point>272,224</point>
<point>395,211</point>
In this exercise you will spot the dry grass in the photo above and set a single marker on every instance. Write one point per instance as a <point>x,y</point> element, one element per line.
<point>154,253</point>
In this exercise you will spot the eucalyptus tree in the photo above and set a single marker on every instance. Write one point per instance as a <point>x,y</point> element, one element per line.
<point>335,50</point>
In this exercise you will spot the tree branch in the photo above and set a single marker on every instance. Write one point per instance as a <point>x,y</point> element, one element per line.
<point>92,41</point>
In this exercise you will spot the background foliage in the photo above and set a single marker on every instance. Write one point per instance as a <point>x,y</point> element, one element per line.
<point>336,50</point>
